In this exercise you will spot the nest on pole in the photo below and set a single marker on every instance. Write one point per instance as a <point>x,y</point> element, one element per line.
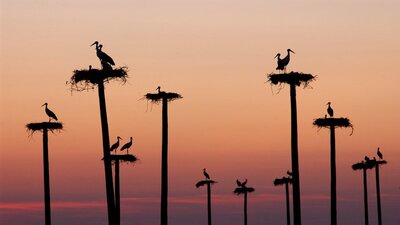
<point>87,79</point>
<point>127,158</point>
<point>157,97</point>
<point>363,165</point>
<point>204,182</point>
<point>333,122</point>
<point>50,126</point>
<point>282,181</point>
<point>242,190</point>
<point>292,78</point>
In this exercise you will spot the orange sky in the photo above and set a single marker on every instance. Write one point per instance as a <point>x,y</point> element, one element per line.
<point>216,54</point>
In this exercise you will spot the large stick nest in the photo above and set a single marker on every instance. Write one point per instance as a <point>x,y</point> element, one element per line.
<point>294,78</point>
<point>363,165</point>
<point>204,182</point>
<point>242,190</point>
<point>333,122</point>
<point>51,126</point>
<point>282,181</point>
<point>87,79</point>
<point>157,97</point>
<point>128,158</point>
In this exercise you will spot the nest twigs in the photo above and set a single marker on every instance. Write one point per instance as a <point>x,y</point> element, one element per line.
<point>333,122</point>
<point>282,181</point>
<point>292,78</point>
<point>50,126</point>
<point>242,190</point>
<point>157,97</point>
<point>204,182</point>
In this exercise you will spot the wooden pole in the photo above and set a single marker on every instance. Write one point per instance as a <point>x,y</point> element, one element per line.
<point>164,163</point>
<point>365,195</point>
<point>378,194</point>
<point>117,194</point>
<point>287,203</point>
<point>106,153</point>
<point>209,202</point>
<point>46,173</point>
<point>245,208</point>
<point>295,157</point>
<point>333,177</point>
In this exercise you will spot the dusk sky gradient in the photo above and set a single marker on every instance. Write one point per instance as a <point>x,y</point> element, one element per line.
<point>217,55</point>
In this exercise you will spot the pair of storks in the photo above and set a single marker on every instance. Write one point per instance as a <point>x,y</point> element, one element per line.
<point>239,184</point>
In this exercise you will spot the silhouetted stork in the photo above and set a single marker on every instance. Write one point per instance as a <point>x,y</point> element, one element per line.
<point>379,153</point>
<point>115,145</point>
<point>127,146</point>
<point>367,159</point>
<point>329,109</point>
<point>239,184</point>
<point>289,173</point>
<point>102,55</point>
<point>50,113</point>
<point>206,174</point>
<point>244,183</point>
<point>158,89</point>
<point>282,63</point>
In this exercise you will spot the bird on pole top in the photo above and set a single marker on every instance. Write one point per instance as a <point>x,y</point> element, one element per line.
<point>49,113</point>
<point>282,63</point>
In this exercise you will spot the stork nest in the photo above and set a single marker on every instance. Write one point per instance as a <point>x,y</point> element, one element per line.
<point>204,182</point>
<point>294,78</point>
<point>282,181</point>
<point>128,158</point>
<point>50,126</point>
<point>363,165</point>
<point>87,79</point>
<point>157,98</point>
<point>333,122</point>
<point>242,190</point>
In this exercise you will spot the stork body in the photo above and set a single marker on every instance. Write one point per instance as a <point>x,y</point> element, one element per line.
<point>127,146</point>
<point>329,109</point>
<point>379,153</point>
<point>282,63</point>
<point>239,184</point>
<point>102,55</point>
<point>244,183</point>
<point>206,174</point>
<point>115,145</point>
<point>50,113</point>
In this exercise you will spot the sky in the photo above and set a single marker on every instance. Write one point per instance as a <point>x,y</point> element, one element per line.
<point>217,55</point>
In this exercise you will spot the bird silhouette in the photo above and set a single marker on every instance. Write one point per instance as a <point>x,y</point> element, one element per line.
<point>50,113</point>
<point>206,174</point>
<point>115,145</point>
<point>244,183</point>
<point>367,159</point>
<point>282,63</point>
<point>329,109</point>
<point>379,154</point>
<point>239,184</point>
<point>289,173</point>
<point>127,146</point>
<point>158,89</point>
<point>102,55</point>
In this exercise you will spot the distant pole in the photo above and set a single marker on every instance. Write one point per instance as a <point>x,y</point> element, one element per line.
<point>209,202</point>
<point>365,195</point>
<point>333,177</point>
<point>117,194</point>
<point>164,163</point>
<point>295,157</point>
<point>378,194</point>
<point>245,208</point>
<point>287,203</point>
<point>106,153</point>
<point>46,177</point>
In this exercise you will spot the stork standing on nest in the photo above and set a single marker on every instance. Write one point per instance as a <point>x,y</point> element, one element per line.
<point>206,174</point>
<point>115,145</point>
<point>127,146</point>
<point>379,154</point>
<point>329,109</point>
<point>282,63</point>
<point>50,113</point>
<point>102,55</point>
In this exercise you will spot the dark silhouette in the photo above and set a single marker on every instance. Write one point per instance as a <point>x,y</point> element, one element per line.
<point>282,63</point>
<point>115,146</point>
<point>207,182</point>
<point>164,97</point>
<point>242,189</point>
<point>50,113</point>
<point>127,146</point>
<point>364,165</point>
<point>89,79</point>
<point>332,123</point>
<point>379,154</point>
<point>289,173</point>
<point>45,127</point>
<point>378,188</point>
<point>102,55</point>
<point>293,79</point>
<point>285,181</point>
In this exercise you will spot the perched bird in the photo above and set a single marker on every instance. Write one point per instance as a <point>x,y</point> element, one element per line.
<point>379,153</point>
<point>329,109</point>
<point>102,55</point>
<point>282,63</point>
<point>50,113</point>
<point>367,159</point>
<point>158,89</point>
<point>127,146</point>
<point>244,183</point>
<point>115,145</point>
<point>289,173</point>
<point>206,174</point>
<point>239,184</point>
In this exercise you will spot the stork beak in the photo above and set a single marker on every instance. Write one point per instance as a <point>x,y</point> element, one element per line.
<point>44,104</point>
<point>292,51</point>
<point>276,56</point>
<point>96,42</point>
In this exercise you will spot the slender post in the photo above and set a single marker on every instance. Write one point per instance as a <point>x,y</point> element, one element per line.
<point>164,163</point>
<point>245,208</point>
<point>106,153</point>
<point>46,177</point>
<point>378,194</point>
<point>365,195</point>
<point>287,203</point>
<point>333,178</point>
<point>295,157</point>
<point>209,202</point>
<point>117,194</point>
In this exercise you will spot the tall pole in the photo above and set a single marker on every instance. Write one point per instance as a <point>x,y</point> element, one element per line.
<point>46,177</point>
<point>287,203</point>
<point>333,178</point>
<point>378,194</point>
<point>164,163</point>
<point>295,157</point>
<point>245,208</point>
<point>106,153</point>
<point>209,202</point>
<point>365,195</point>
<point>117,194</point>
